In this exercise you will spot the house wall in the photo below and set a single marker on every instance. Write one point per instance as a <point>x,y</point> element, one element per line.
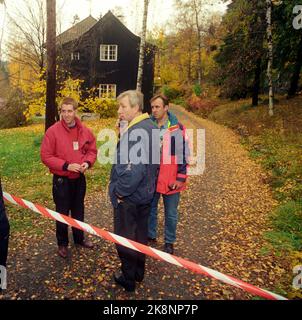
<point>122,72</point>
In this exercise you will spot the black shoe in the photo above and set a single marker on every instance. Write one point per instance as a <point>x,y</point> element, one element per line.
<point>85,244</point>
<point>169,248</point>
<point>120,279</point>
<point>152,240</point>
<point>139,278</point>
<point>63,251</point>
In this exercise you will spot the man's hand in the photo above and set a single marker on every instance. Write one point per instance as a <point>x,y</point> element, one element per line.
<point>84,167</point>
<point>176,185</point>
<point>119,198</point>
<point>74,167</point>
<point>121,125</point>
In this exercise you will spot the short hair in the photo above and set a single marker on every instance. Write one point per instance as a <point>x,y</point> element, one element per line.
<point>164,99</point>
<point>136,98</point>
<point>69,100</point>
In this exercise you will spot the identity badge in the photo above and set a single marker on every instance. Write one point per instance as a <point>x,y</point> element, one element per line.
<point>75,145</point>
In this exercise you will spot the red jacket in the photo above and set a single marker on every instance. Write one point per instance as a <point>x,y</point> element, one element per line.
<point>57,148</point>
<point>173,163</point>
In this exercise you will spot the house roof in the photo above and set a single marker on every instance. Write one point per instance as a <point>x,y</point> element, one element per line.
<point>85,25</point>
<point>77,30</point>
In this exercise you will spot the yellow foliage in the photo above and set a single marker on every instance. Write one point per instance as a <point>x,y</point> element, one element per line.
<point>105,107</point>
<point>22,72</point>
<point>36,99</point>
<point>70,88</point>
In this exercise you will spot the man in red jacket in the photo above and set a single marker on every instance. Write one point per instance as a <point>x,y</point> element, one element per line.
<point>68,150</point>
<point>172,172</point>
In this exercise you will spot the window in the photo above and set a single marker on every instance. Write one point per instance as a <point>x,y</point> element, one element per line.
<point>108,52</point>
<point>107,91</point>
<point>75,55</point>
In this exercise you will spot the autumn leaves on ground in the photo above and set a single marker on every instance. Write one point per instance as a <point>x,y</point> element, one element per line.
<point>222,219</point>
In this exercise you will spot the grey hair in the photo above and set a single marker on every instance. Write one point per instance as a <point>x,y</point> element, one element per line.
<point>136,98</point>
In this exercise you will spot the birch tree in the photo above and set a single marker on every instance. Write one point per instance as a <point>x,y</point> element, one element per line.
<point>197,5</point>
<point>270,55</point>
<point>142,48</point>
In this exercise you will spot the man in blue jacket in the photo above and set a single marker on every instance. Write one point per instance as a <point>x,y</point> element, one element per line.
<point>132,185</point>
<point>4,232</point>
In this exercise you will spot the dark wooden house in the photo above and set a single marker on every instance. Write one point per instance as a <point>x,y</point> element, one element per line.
<point>105,54</point>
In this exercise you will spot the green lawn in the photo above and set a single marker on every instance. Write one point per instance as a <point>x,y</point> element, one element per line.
<point>23,174</point>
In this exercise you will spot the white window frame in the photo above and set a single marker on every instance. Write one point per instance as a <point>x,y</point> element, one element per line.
<point>75,56</point>
<point>104,88</point>
<point>108,52</point>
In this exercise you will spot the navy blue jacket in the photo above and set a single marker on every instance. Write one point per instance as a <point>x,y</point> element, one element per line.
<point>4,231</point>
<point>4,226</point>
<point>135,182</point>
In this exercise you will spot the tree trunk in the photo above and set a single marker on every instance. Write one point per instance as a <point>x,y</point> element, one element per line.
<point>199,60</point>
<point>2,31</point>
<point>142,48</point>
<point>190,50</point>
<point>296,75</point>
<point>256,86</point>
<point>199,68</point>
<point>51,64</point>
<point>270,56</point>
<point>189,68</point>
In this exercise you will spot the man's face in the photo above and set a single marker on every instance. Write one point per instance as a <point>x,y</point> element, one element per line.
<point>159,110</point>
<point>125,111</point>
<point>68,113</point>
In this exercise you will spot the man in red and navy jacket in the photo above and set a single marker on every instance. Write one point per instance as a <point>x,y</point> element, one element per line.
<point>173,170</point>
<point>68,150</point>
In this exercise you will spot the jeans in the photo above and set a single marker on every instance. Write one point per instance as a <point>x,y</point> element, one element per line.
<point>171,216</point>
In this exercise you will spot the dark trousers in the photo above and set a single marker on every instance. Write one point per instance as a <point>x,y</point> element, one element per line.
<point>4,231</point>
<point>131,222</point>
<point>4,235</point>
<point>68,195</point>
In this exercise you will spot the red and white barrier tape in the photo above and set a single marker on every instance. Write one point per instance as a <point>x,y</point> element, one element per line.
<point>157,254</point>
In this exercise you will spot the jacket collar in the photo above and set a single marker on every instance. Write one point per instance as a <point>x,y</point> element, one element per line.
<point>138,119</point>
<point>135,121</point>
<point>77,121</point>
<point>172,120</point>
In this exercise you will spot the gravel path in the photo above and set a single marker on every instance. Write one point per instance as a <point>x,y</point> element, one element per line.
<point>222,216</point>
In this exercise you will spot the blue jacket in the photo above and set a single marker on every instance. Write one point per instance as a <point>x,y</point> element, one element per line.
<point>4,226</point>
<point>4,231</point>
<point>134,182</point>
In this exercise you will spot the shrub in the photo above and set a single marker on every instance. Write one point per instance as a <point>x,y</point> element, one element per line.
<point>197,90</point>
<point>105,107</point>
<point>171,92</point>
<point>200,106</point>
<point>70,88</point>
<point>180,101</point>
<point>37,99</point>
<point>12,112</point>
